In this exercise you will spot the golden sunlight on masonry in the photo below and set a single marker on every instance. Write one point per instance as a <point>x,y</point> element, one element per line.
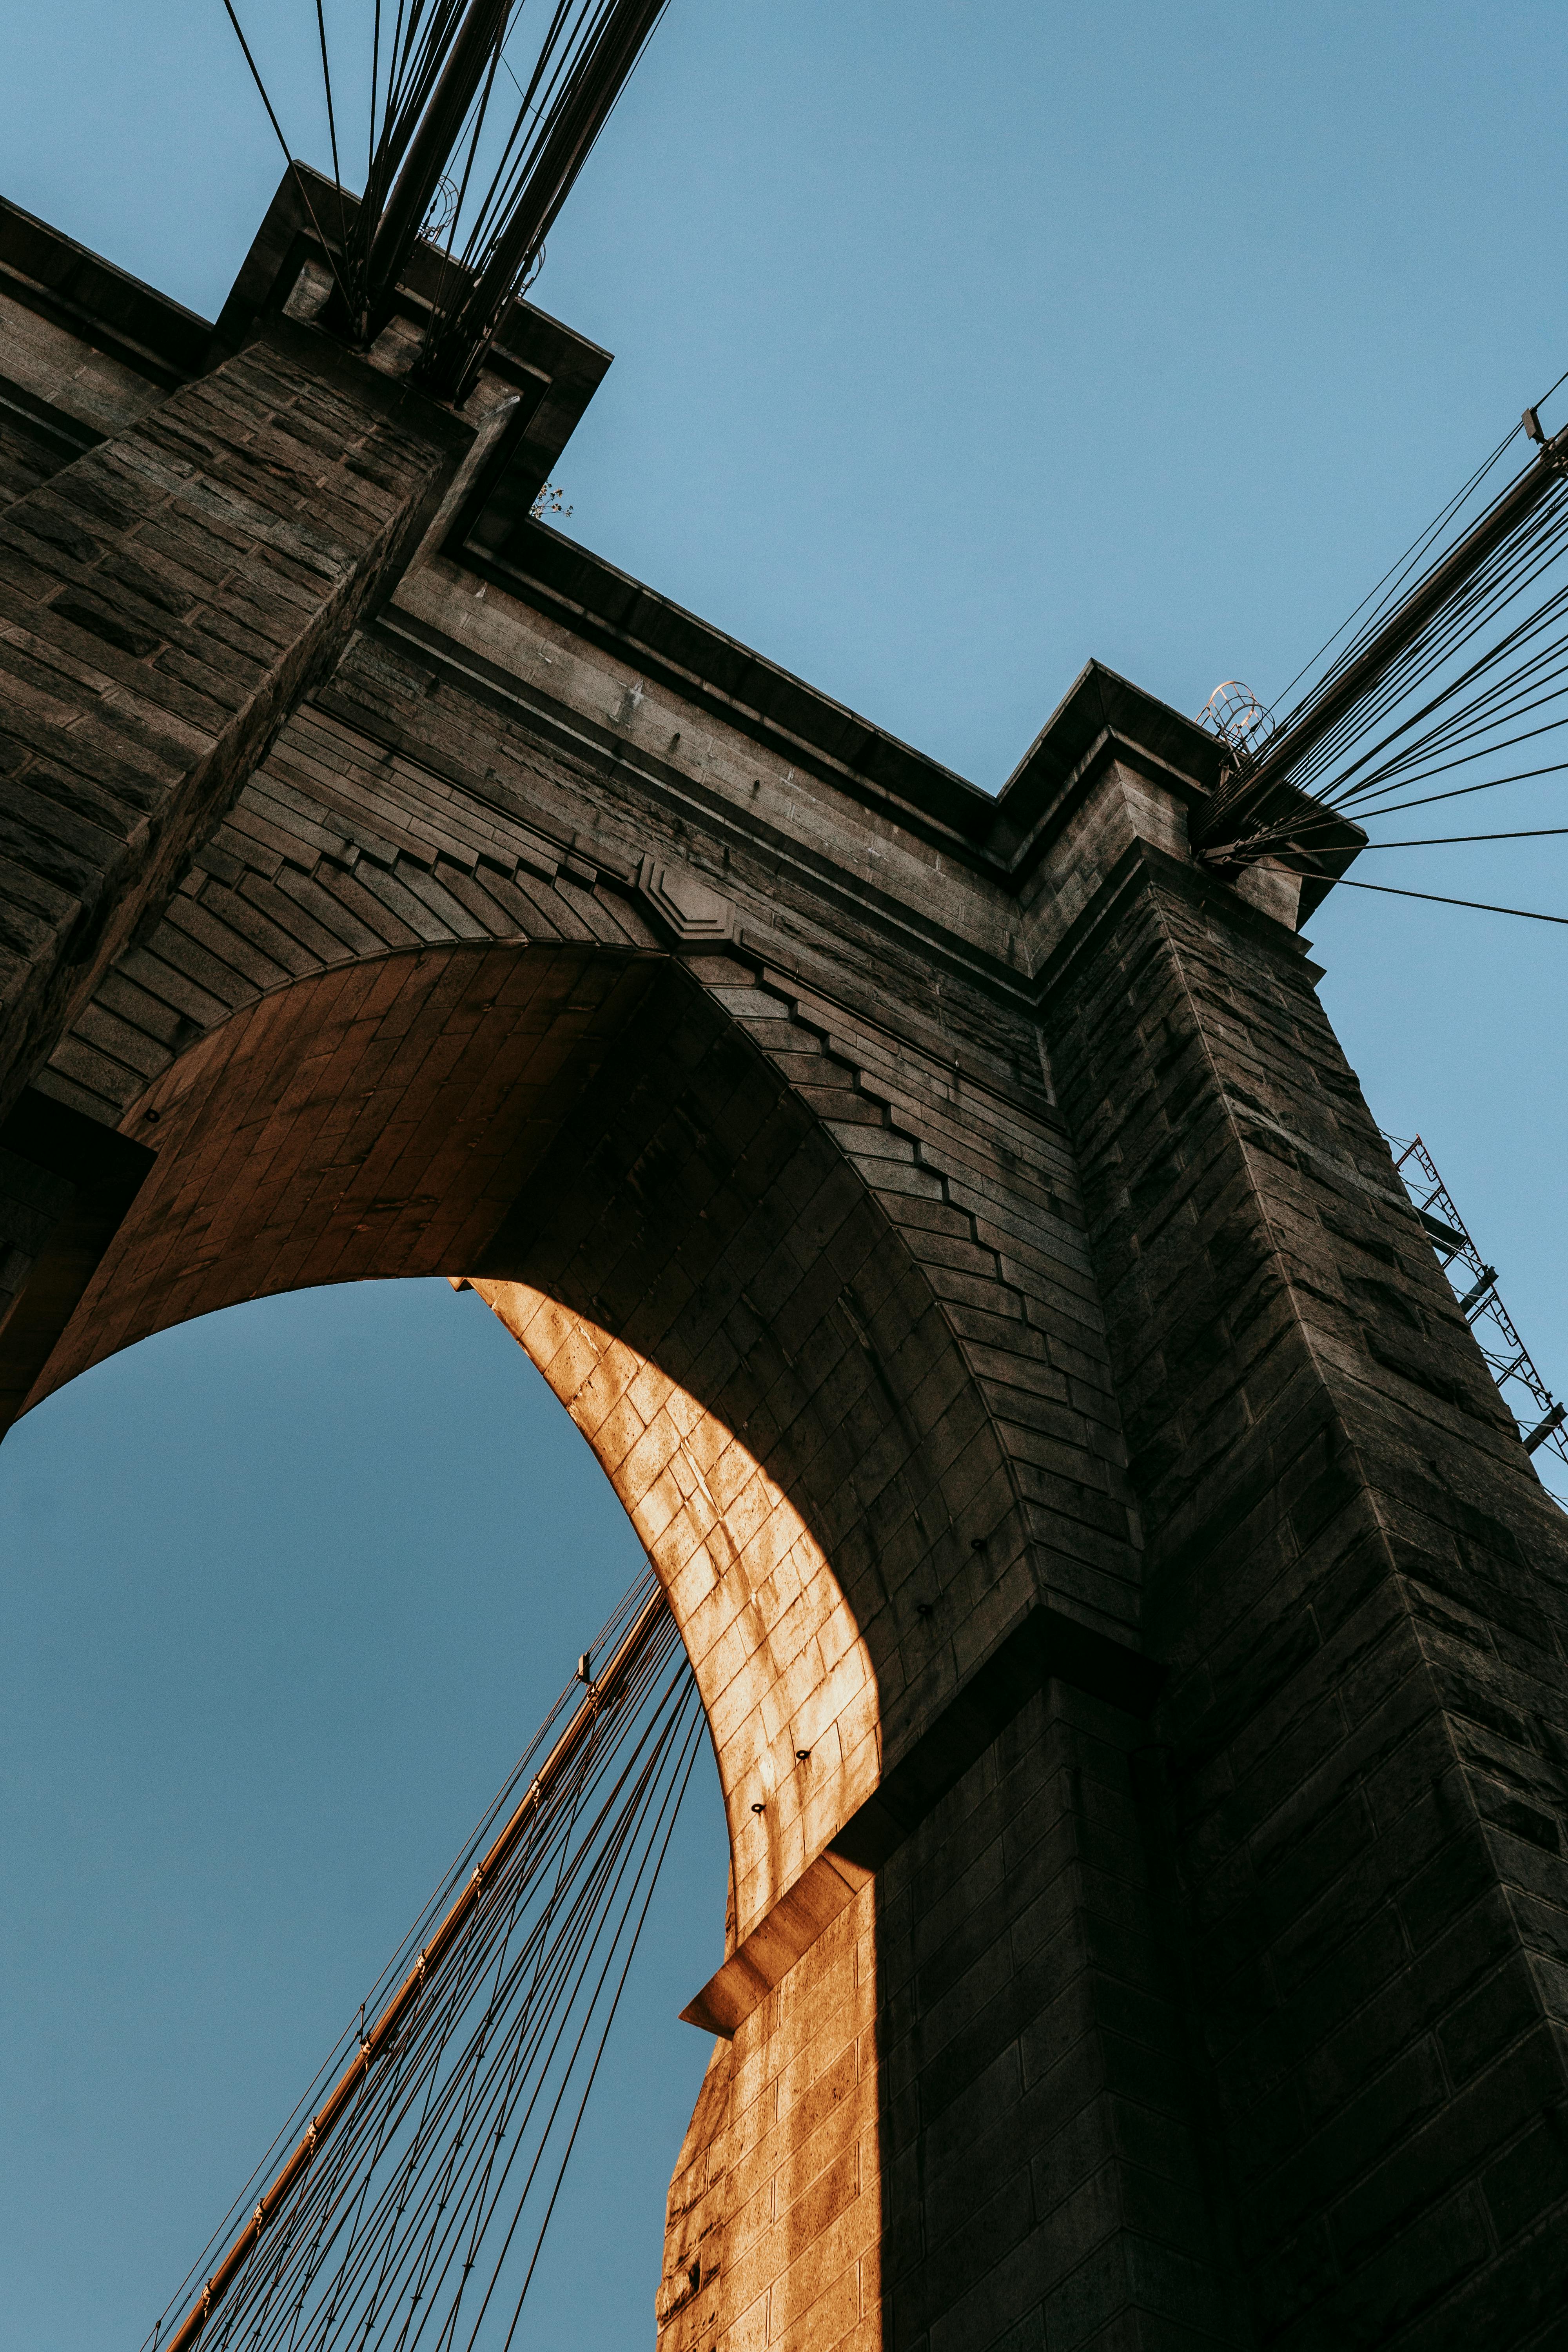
<point>784,1673</point>
<point>773,2239</point>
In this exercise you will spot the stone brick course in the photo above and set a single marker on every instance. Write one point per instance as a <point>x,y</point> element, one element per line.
<point>1344,1543</point>
<point>164,600</point>
<point>1103,1553</point>
<point>775,2213</point>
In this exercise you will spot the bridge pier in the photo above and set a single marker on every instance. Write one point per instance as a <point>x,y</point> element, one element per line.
<point>1355,1584</point>
<point>970,2114</point>
<point>1134,1640</point>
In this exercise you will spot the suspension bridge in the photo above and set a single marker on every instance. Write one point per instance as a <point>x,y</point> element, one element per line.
<point>1090,1481</point>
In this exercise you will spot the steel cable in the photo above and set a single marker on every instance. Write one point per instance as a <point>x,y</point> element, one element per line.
<point>1483,674</point>
<point>377,2238</point>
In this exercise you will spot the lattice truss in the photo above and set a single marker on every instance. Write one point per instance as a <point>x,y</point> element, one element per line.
<point>1474,1282</point>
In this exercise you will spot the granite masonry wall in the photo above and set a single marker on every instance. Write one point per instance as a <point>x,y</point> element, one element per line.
<point>1133,1635</point>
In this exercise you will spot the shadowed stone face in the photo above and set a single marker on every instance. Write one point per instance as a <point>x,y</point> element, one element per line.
<point>1103,1556</point>
<point>171,595</point>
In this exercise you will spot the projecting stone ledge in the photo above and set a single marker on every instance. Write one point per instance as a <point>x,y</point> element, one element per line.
<point>1045,1646</point>
<point>697,915</point>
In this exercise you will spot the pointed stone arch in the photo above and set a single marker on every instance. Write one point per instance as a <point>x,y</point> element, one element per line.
<point>593,1136</point>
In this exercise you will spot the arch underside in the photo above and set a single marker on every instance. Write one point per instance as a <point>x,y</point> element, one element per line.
<point>590,1136</point>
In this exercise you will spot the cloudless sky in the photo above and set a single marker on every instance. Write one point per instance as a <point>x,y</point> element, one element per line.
<point>957,341</point>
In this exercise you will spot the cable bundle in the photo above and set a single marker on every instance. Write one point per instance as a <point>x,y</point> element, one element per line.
<point>588,51</point>
<point>1477,668</point>
<point>413,2206</point>
<point>452,153</point>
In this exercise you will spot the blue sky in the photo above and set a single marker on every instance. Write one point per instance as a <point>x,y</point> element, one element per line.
<point>955,343</point>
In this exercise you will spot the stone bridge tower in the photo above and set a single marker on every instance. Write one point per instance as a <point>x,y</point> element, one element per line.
<point>1131,1631</point>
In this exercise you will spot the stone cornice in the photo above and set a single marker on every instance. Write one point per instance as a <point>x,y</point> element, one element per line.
<point>48,272</point>
<point>999,841</point>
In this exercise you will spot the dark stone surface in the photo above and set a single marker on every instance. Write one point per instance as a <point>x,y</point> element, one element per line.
<point>1193,1969</point>
<point>1359,1590</point>
<point>66,1183</point>
<point>168,598</point>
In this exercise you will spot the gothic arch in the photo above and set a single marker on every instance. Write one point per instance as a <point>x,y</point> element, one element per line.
<point>594,1136</point>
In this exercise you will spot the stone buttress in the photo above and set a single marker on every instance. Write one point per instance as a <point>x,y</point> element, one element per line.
<point>1132,1633</point>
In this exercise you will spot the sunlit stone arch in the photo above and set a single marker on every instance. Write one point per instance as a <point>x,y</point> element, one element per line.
<point>595,1139</point>
<point>786,1679</point>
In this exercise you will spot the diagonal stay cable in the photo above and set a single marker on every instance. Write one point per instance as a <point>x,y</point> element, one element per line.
<point>403,2184</point>
<point>278,128</point>
<point>1298,828</point>
<point>1436,899</point>
<point>1452,840</point>
<point>382,2038</point>
<point>481,2136</point>
<point>459,2000</point>
<point>562,2012</point>
<point>609,1637</point>
<point>347,2311</point>
<point>1401,569</point>
<point>316,2332</point>
<point>331,125</point>
<point>691,1754</point>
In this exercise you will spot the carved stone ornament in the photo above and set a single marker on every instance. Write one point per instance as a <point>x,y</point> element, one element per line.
<point>697,915</point>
